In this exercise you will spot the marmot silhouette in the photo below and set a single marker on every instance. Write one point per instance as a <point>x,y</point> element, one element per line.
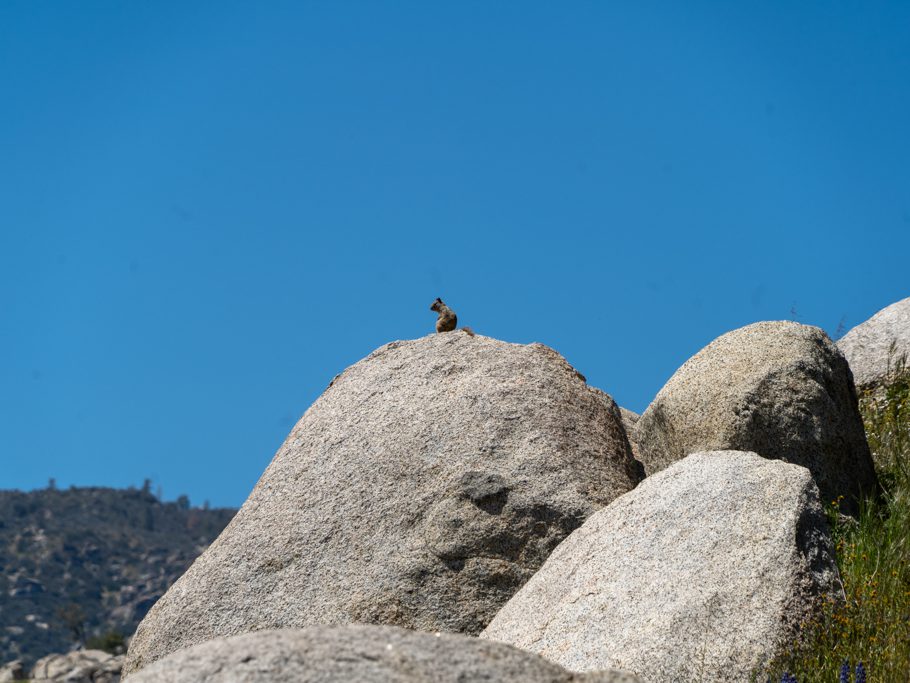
<point>447,320</point>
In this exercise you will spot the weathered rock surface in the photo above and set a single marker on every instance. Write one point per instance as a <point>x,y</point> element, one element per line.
<point>876,346</point>
<point>367,654</point>
<point>703,572</point>
<point>79,666</point>
<point>13,671</point>
<point>629,417</point>
<point>422,489</point>
<point>780,389</point>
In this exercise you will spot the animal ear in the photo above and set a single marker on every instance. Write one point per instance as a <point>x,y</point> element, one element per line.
<point>438,300</point>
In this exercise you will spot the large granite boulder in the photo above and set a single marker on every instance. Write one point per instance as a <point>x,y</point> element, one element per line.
<point>422,489</point>
<point>878,346</point>
<point>79,666</point>
<point>780,389</point>
<point>366,654</point>
<point>704,572</point>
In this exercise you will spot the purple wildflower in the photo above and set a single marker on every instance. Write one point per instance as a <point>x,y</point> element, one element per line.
<point>860,673</point>
<point>845,672</point>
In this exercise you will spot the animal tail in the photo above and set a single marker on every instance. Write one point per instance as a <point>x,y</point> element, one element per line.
<point>469,331</point>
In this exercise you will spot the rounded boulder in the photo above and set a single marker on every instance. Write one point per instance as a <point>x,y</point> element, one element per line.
<point>780,389</point>
<point>367,654</point>
<point>422,489</point>
<point>879,347</point>
<point>705,572</point>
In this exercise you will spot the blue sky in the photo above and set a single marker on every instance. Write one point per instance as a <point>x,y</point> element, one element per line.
<point>209,209</point>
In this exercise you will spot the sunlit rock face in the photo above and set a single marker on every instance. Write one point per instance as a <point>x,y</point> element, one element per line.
<point>779,389</point>
<point>703,572</point>
<point>366,654</point>
<point>880,346</point>
<point>422,489</point>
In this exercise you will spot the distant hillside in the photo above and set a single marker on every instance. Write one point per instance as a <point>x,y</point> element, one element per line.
<point>82,563</point>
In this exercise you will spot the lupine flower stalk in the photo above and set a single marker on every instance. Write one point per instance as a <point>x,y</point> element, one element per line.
<point>845,672</point>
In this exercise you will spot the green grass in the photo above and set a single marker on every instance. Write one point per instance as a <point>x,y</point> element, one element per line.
<point>873,555</point>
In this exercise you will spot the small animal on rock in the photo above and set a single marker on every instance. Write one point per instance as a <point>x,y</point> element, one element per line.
<point>447,320</point>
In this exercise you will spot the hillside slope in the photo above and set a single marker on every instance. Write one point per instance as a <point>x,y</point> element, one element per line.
<point>84,562</point>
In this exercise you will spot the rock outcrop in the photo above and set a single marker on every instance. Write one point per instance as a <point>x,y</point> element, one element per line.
<point>780,389</point>
<point>876,347</point>
<point>79,666</point>
<point>366,654</point>
<point>422,489</point>
<point>703,572</point>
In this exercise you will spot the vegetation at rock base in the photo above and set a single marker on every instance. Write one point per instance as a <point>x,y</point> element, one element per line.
<point>82,566</point>
<point>873,554</point>
<point>112,642</point>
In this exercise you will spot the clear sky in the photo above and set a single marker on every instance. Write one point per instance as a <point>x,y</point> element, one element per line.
<point>209,209</point>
